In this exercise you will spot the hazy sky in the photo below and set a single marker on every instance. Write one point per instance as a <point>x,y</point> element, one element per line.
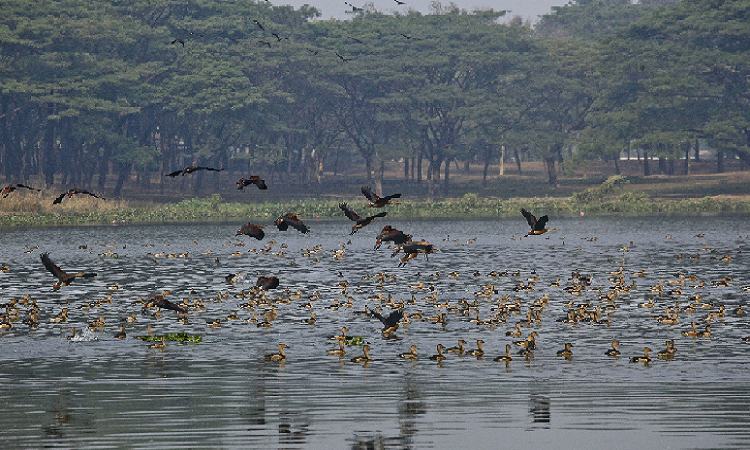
<point>336,8</point>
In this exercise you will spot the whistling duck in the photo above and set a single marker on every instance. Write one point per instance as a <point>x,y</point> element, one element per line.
<point>505,357</point>
<point>566,352</point>
<point>278,356</point>
<point>439,356</point>
<point>377,201</point>
<point>477,351</point>
<point>460,349</point>
<point>644,358</point>
<point>340,352</point>
<point>537,225</point>
<point>613,351</point>
<point>365,358</point>
<point>412,354</point>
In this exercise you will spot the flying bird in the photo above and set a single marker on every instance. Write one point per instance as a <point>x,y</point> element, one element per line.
<point>267,282</point>
<point>341,57</point>
<point>537,225</point>
<point>266,43</point>
<point>178,40</point>
<point>73,192</point>
<point>158,301</point>
<point>259,25</point>
<point>376,201</point>
<point>191,169</point>
<point>283,223</point>
<point>391,234</point>
<point>413,248</point>
<point>410,37</point>
<point>255,179</point>
<point>12,187</point>
<point>361,221</point>
<point>390,323</point>
<point>251,230</point>
<point>63,278</point>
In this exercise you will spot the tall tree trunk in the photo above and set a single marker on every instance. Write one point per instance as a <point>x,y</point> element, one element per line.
<point>617,164</point>
<point>687,160</point>
<point>123,172</point>
<point>487,157</point>
<point>446,178</point>
<point>406,169</point>
<point>551,171</point>
<point>518,160</point>
<point>697,150</point>
<point>49,161</point>
<point>646,167</point>
<point>419,168</point>
<point>720,161</point>
<point>662,165</point>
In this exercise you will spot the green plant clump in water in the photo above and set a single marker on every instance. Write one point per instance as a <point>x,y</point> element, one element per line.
<point>180,337</point>
<point>355,340</point>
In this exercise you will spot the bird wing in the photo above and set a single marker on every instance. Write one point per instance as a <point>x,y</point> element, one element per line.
<point>541,222</point>
<point>381,214</point>
<point>174,174</point>
<point>297,224</point>
<point>258,181</point>
<point>367,192</point>
<point>394,318</point>
<point>390,197</point>
<point>349,213</point>
<point>59,198</point>
<point>380,317</point>
<point>54,270</point>
<point>529,218</point>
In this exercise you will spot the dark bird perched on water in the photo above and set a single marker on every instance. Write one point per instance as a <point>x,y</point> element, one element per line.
<point>537,225</point>
<point>255,179</point>
<point>376,201</point>
<point>73,192</point>
<point>251,230</point>
<point>390,323</point>
<point>361,221</point>
<point>158,301</point>
<point>283,223</point>
<point>413,248</point>
<point>267,282</point>
<point>12,187</point>
<point>63,278</point>
<point>191,169</point>
<point>391,234</point>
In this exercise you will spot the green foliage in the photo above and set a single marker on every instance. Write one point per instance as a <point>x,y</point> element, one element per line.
<point>598,193</point>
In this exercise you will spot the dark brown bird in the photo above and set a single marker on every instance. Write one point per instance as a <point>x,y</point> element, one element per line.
<point>390,323</point>
<point>537,225</point>
<point>158,301</point>
<point>255,179</point>
<point>63,278</point>
<point>259,25</point>
<point>178,40</point>
<point>283,223</point>
<point>391,234</point>
<point>267,283</point>
<point>191,169</point>
<point>73,192</point>
<point>251,230</point>
<point>12,187</point>
<point>376,201</point>
<point>361,221</point>
<point>413,248</point>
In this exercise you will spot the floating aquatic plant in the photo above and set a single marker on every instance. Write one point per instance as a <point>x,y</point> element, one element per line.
<point>180,337</point>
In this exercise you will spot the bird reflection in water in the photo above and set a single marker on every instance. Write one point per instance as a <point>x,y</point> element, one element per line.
<point>409,409</point>
<point>539,409</point>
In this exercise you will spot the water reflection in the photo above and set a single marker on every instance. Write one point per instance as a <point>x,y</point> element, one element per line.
<point>101,392</point>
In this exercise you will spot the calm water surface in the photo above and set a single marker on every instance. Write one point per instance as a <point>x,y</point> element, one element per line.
<point>99,392</point>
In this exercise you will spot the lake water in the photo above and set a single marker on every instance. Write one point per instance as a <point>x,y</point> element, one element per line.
<point>100,392</point>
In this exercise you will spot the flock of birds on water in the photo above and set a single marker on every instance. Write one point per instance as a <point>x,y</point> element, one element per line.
<point>502,312</point>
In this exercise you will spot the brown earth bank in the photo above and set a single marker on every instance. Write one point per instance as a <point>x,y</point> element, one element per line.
<point>530,182</point>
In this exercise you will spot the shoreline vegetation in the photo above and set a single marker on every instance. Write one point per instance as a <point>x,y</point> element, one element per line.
<point>608,198</point>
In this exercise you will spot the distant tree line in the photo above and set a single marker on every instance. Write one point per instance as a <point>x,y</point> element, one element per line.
<point>119,90</point>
